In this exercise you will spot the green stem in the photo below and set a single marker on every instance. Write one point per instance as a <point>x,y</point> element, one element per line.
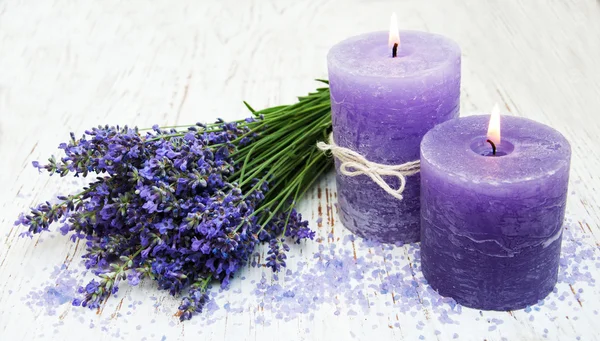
<point>281,148</point>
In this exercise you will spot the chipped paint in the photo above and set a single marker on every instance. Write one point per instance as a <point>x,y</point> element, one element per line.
<point>575,294</point>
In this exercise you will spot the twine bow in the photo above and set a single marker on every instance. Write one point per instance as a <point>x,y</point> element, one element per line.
<point>354,164</point>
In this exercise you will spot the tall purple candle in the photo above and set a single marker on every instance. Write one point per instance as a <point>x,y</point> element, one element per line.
<point>491,226</point>
<point>381,108</point>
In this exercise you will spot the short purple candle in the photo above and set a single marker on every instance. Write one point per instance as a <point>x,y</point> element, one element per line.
<point>491,226</point>
<point>381,108</point>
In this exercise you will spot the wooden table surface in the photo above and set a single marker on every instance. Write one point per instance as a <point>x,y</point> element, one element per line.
<point>69,65</point>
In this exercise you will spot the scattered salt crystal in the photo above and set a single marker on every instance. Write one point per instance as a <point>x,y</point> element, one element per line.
<point>351,275</point>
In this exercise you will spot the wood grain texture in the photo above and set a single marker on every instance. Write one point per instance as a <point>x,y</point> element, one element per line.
<point>68,65</point>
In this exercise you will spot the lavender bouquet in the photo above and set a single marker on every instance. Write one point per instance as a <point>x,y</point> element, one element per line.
<point>186,206</point>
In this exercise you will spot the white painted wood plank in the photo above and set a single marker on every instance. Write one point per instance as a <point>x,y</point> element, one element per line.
<point>66,66</point>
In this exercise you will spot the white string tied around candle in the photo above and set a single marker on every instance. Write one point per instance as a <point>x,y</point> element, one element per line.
<point>354,164</point>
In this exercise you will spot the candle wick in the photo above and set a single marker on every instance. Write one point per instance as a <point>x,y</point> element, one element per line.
<point>395,50</point>
<point>493,146</point>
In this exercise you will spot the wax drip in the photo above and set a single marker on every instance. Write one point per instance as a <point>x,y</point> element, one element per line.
<point>395,50</point>
<point>493,146</point>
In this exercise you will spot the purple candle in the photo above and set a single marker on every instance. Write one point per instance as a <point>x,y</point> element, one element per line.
<point>491,225</point>
<point>381,108</point>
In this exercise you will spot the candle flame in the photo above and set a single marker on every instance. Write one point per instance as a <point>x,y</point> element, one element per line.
<point>493,133</point>
<point>394,37</point>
